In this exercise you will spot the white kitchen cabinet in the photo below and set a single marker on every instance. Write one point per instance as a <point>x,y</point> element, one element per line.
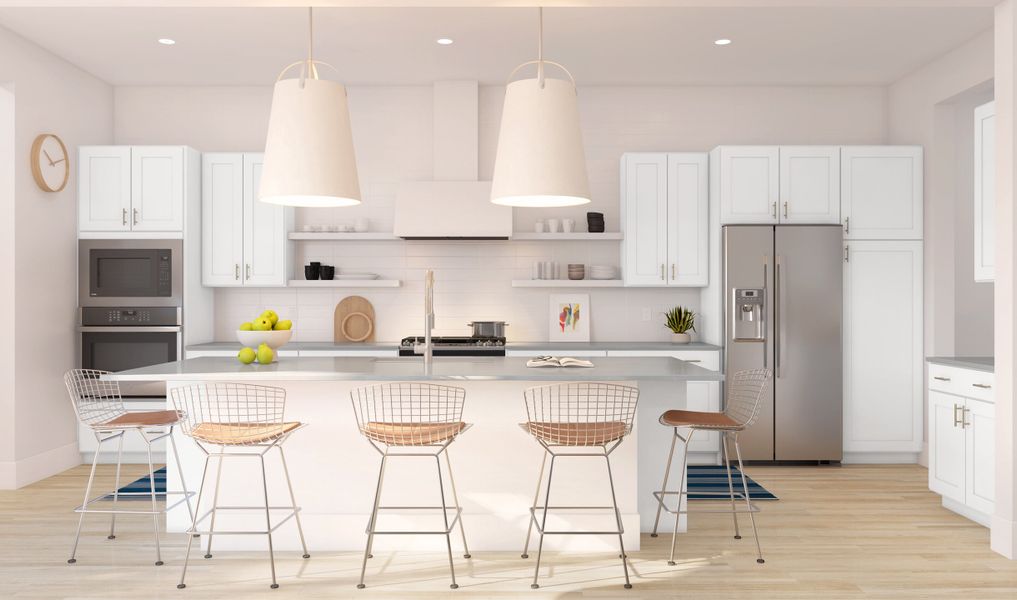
<point>133,188</point>
<point>883,346</point>
<point>881,192</point>
<point>244,240</point>
<point>809,184</point>
<point>946,446</point>
<point>665,219</point>
<point>980,452</point>
<point>985,192</point>
<point>749,183</point>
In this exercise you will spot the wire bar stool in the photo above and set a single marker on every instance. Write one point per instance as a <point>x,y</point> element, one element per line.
<point>744,398</point>
<point>566,417</point>
<point>235,420</point>
<point>412,419</point>
<point>98,404</point>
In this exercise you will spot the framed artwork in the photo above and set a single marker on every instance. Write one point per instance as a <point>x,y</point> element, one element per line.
<point>570,318</point>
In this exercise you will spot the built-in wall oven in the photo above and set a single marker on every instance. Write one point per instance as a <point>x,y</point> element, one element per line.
<point>131,314</point>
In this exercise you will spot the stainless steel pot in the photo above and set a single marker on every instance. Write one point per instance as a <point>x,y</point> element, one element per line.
<point>488,328</point>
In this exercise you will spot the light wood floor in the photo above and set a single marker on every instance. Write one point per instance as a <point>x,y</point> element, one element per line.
<point>837,532</point>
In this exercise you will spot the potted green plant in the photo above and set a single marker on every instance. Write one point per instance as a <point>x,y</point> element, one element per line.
<point>680,321</point>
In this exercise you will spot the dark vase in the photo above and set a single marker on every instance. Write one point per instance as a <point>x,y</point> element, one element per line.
<point>312,271</point>
<point>595,222</point>
<point>327,272</point>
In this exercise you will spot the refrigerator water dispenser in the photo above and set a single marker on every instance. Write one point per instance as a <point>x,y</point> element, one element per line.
<point>747,322</point>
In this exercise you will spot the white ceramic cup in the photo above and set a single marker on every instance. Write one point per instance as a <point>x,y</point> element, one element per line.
<point>538,227</point>
<point>568,225</point>
<point>552,225</point>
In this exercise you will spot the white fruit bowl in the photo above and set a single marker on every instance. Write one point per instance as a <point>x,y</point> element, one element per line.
<point>274,339</point>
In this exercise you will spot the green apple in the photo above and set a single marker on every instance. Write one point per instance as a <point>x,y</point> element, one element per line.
<point>283,325</point>
<point>270,315</point>
<point>247,355</point>
<point>265,354</point>
<point>246,326</point>
<point>262,324</point>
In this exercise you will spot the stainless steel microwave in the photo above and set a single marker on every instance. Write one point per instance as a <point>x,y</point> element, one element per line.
<point>130,272</point>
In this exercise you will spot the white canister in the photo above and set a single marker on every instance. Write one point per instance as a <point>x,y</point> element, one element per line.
<point>552,225</point>
<point>568,225</point>
<point>538,271</point>
<point>538,227</point>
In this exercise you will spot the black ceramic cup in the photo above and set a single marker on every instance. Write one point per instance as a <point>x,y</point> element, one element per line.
<point>327,272</point>
<point>595,222</point>
<point>312,271</point>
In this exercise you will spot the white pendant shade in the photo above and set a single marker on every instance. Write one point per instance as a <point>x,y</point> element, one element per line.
<point>309,159</point>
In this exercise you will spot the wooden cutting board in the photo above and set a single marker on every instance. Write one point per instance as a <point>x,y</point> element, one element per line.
<point>359,317</point>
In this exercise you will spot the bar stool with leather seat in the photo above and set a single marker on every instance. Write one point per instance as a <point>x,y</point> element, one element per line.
<point>412,420</point>
<point>235,420</point>
<point>99,406</point>
<point>744,393</point>
<point>566,420</point>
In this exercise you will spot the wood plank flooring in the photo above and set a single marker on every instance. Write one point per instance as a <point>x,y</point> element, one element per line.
<point>837,532</point>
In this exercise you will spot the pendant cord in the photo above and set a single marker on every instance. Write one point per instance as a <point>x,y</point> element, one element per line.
<point>540,46</point>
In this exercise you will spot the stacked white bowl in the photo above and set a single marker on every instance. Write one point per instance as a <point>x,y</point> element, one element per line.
<point>602,272</point>
<point>577,271</point>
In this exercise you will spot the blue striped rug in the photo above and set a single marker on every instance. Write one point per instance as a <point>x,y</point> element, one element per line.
<point>709,478</point>
<point>142,485</point>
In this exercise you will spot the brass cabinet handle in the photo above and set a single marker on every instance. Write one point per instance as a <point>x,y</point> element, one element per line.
<point>941,378</point>
<point>135,216</point>
<point>847,224</point>
<point>785,209</point>
<point>847,255</point>
<point>124,216</point>
<point>965,423</point>
<point>956,421</point>
<point>236,271</point>
<point>672,271</point>
<point>247,272</point>
<point>984,386</point>
<point>662,276</point>
<point>773,210</point>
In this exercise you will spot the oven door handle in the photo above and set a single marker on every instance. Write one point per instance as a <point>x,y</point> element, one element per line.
<point>140,329</point>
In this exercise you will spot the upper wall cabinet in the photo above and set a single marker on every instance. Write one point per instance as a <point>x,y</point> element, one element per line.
<point>243,239</point>
<point>779,184</point>
<point>881,192</point>
<point>665,219</point>
<point>985,192</point>
<point>133,188</point>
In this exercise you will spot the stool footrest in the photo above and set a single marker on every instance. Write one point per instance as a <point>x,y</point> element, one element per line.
<point>540,529</point>
<point>738,496</point>
<point>84,508</point>
<point>457,512</point>
<point>193,530</point>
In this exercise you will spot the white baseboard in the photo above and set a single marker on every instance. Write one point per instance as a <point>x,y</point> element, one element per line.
<point>967,512</point>
<point>130,458</point>
<point>923,456</point>
<point>881,458</point>
<point>18,474</point>
<point>1003,537</point>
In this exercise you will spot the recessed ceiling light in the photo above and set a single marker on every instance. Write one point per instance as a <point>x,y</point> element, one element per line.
<point>445,41</point>
<point>722,42</point>
<point>167,41</point>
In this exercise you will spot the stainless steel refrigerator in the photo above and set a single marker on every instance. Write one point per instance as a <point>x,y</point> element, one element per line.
<point>783,303</point>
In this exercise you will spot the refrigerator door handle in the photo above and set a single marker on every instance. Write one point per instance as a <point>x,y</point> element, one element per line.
<point>766,333</point>
<point>778,346</point>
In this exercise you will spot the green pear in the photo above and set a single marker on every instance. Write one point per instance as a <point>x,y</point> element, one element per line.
<point>270,315</point>
<point>283,325</point>
<point>247,355</point>
<point>262,324</point>
<point>265,354</point>
<point>246,326</point>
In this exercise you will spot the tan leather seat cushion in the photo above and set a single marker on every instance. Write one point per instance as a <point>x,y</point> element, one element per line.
<point>577,434</point>
<point>145,419</point>
<point>412,434</point>
<point>704,420</point>
<point>239,434</point>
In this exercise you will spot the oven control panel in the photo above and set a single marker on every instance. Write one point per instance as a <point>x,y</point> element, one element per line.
<point>129,316</point>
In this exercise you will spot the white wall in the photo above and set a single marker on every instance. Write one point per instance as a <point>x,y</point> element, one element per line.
<point>393,134</point>
<point>7,304</point>
<point>52,96</point>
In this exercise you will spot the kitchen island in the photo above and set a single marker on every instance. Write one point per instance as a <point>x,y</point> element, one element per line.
<point>495,463</point>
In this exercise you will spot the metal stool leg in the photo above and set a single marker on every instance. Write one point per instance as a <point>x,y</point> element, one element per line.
<point>730,484</point>
<point>116,490</point>
<point>663,486</point>
<point>180,471</point>
<point>194,524</point>
<point>543,525</point>
<point>268,520</point>
<point>372,521</point>
<point>681,488</point>
<point>151,487</point>
<point>621,528</point>
<point>84,503</point>
<point>748,502</point>
<point>536,496</point>
<point>215,501</point>
<point>444,514</point>
<point>293,500</point>
<point>455,498</point>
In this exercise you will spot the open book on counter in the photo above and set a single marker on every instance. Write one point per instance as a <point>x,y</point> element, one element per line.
<point>557,361</point>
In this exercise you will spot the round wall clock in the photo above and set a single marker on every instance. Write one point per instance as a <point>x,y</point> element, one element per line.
<point>50,166</point>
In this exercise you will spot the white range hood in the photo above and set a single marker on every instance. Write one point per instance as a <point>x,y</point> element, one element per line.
<point>454,205</point>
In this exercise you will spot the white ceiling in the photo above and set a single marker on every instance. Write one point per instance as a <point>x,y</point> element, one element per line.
<point>648,46</point>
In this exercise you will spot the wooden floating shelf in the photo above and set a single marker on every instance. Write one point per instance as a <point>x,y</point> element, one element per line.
<point>342,236</point>
<point>564,283</point>
<point>334,236</point>
<point>344,283</point>
<point>581,236</point>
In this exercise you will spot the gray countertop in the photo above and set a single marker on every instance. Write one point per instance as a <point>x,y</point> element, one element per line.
<point>563,347</point>
<point>411,369</point>
<point>977,363</point>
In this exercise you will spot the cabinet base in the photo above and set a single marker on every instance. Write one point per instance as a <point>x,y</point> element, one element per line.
<point>967,512</point>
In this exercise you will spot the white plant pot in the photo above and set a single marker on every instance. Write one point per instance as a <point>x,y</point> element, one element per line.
<point>680,338</point>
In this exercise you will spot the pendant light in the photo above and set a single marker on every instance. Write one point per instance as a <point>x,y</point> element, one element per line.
<point>540,160</point>
<point>309,159</point>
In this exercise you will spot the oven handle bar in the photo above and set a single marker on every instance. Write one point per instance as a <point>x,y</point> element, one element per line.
<point>142,329</point>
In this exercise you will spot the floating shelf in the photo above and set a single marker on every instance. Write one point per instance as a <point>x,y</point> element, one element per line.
<point>580,236</point>
<point>342,236</point>
<point>344,283</point>
<point>572,283</point>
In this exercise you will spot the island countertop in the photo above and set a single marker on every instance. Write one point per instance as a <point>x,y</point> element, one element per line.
<point>412,369</point>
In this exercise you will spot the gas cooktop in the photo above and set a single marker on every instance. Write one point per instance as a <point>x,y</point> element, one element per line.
<point>456,346</point>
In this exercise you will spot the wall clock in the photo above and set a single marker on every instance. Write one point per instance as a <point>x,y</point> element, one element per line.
<point>50,166</point>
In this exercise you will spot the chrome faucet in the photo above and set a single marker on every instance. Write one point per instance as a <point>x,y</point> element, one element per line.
<point>427,348</point>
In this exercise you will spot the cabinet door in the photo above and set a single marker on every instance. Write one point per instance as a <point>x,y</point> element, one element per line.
<point>104,188</point>
<point>644,212</point>
<point>809,184</point>
<point>265,231</point>
<point>157,188</point>
<point>704,396</point>
<point>222,219</point>
<point>688,223</point>
<point>883,370</point>
<point>946,445</point>
<point>985,192</point>
<point>749,186</point>
<point>980,433</point>
<point>881,192</point>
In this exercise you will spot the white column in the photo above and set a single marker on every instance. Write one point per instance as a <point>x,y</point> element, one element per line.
<point>1004,521</point>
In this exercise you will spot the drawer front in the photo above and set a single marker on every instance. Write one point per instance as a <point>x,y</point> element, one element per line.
<point>978,385</point>
<point>962,382</point>
<point>708,359</point>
